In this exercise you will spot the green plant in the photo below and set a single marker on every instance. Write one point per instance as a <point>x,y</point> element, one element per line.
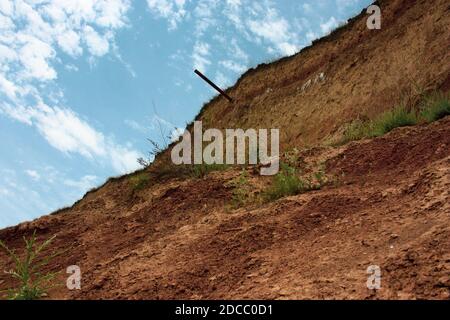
<point>286,183</point>
<point>384,123</point>
<point>292,157</point>
<point>201,170</point>
<point>320,179</point>
<point>241,192</point>
<point>430,108</point>
<point>435,106</point>
<point>389,120</point>
<point>157,148</point>
<point>139,181</point>
<point>356,130</point>
<point>33,283</point>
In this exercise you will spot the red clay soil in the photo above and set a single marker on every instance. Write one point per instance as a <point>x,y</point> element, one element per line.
<point>389,206</point>
<point>386,203</point>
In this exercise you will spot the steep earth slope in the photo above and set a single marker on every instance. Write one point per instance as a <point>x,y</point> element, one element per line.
<point>364,72</point>
<point>387,202</point>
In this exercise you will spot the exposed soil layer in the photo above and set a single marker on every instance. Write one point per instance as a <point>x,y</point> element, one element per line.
<point>389,206</point>
<point>364,72</point>
<point>386,203</point>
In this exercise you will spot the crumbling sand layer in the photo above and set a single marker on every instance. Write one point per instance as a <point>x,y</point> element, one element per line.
<point>387,205</point>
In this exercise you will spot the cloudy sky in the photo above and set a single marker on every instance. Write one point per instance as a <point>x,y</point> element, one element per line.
<point>84,83</point>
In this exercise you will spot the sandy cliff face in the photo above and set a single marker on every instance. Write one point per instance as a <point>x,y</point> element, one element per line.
<point>364,72</point>
<point>386,203</point>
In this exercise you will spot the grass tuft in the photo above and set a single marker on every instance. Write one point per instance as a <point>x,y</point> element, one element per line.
<point>436,106</point>
<point>286,183</point>
<point>389,120</point>
<point>202,170</point>
<point>431,108</point>
<point>384,123</point>
<point>241,194</point>
<point>139,181</point>
<point>356,130</point>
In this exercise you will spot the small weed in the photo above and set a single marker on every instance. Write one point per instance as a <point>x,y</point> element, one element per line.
<point>241,190</point>
<point>435,107</point>
<point>431,108</point>
<point>33,284</point>
<point>157,148</point>
<point>387,121</point>
<point>286,183</point>
<point>201,170</point>
<point>355,131</point>
<point>320,179</point>
<point>292,157</point>
<point>139,181</point>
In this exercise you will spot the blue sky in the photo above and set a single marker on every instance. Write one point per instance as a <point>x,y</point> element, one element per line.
<point>84,83</point>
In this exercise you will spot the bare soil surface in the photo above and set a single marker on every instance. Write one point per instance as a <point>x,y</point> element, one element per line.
<point>389,206</point>
<point>386,202</point>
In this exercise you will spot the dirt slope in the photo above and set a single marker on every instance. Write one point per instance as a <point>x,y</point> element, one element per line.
<point>388,204</point>
<point>365,72</point>
<point>390,207</point>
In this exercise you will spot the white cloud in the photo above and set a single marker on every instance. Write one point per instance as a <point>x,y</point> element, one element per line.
<point>172,10</point>
<point>34,57</point>
<point>22,201</point>
<point>329,25</point>
<point>33,174</point>
<point>200,56</point>
<point>288,48</point>
<point>155,123</point>
<point>136,126</point>
<point>31,34</point>
<point>307,7</point>
<point>310,36</point>
<point>111,14</point>
<point>221,80</point>
<point>8,88</point>
<point>127,66</point>
<point>97,45</point>
<point>342,4</point>
<point>67,132</point>
<point>19,201</point>
<point>176,134</point>
<point>233,11</point>
<point>7,54</point>
<point>233,66</point>
<point>4,191</point>
<point>274,29</point>
<point>71,67</point>
<point>50,174</point>
<point>123,159</point>
<point>70,43</point>
<point>6,7</point>
<point>237,52</point>
<point>205,16</point>
<point>84,184</point>
<point>18,113</point>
